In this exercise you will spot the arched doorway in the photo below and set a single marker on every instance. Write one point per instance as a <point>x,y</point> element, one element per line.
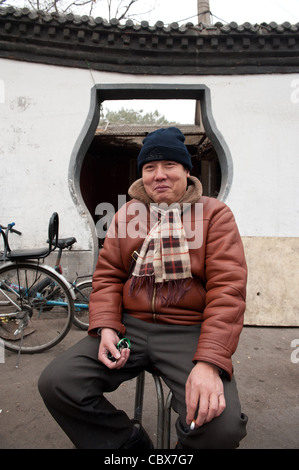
<point>103,164</point>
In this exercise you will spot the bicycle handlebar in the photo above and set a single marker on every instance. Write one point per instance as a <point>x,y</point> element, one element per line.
<point>4,231</point>
<point>10,228</point>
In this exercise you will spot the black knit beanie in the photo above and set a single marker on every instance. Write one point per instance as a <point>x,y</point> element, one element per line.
<point>164,144</point>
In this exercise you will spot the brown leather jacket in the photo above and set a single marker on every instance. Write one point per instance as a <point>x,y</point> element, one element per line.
<point>215,296</point>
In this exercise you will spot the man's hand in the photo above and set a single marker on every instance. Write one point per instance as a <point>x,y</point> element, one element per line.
<point>109,339</point>
<point>204,390</point>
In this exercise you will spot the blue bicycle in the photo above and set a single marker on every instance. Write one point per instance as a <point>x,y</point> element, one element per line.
<point>82,288</point>
<point>37,304</point>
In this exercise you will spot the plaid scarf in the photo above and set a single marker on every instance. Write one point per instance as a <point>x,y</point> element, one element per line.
<point>164,256</point>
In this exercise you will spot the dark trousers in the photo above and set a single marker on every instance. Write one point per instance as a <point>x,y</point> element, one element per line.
<point>74,384</point>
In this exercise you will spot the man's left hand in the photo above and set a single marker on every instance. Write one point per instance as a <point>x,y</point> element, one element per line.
<point>204,390</point>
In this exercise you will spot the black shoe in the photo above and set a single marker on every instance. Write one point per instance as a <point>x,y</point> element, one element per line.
<point>139,439</point>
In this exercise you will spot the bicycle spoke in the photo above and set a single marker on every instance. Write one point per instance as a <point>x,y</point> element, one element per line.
<point>35,308</point>
<point>81,316</point>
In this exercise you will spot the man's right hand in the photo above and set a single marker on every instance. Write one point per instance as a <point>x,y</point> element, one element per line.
<point>109,339</point>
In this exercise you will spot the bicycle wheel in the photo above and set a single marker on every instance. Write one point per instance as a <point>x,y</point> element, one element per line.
<point>81,315</point>
<point>33,319</point>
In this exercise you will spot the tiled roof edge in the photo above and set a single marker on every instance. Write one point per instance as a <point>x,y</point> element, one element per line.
<point>91,22</point>
<point>84,41</point>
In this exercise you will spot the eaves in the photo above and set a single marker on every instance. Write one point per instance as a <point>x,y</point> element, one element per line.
<point>86,42</point>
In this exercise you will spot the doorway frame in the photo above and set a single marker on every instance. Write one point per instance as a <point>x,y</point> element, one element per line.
<point>152,91</point>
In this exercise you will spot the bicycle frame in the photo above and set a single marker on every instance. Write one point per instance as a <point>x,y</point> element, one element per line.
<point>75,287</point>
<point>58,268</point>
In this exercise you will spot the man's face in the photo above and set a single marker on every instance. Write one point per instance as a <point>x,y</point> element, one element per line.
<point>165,181</point>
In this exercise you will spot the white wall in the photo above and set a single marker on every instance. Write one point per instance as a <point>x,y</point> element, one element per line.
<point>43,109</point>
<point>258,117</point>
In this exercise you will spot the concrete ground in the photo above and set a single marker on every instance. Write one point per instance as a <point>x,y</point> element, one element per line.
<point>266,368</point>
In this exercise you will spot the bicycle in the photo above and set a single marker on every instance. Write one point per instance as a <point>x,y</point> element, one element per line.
<point>82,289</point>
<point>32,319</point>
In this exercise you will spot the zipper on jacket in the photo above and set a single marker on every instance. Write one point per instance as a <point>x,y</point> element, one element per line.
<point>153,302</point>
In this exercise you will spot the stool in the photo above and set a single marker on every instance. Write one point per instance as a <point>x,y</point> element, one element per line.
<point>164,410</point>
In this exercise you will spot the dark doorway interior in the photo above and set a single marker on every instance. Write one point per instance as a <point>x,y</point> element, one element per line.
<point>109,166</point>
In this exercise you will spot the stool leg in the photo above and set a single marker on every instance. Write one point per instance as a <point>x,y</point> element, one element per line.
<point>139,397</point>
<point>160,423</point>
<point>167,420</point>
<point>164,413</point>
